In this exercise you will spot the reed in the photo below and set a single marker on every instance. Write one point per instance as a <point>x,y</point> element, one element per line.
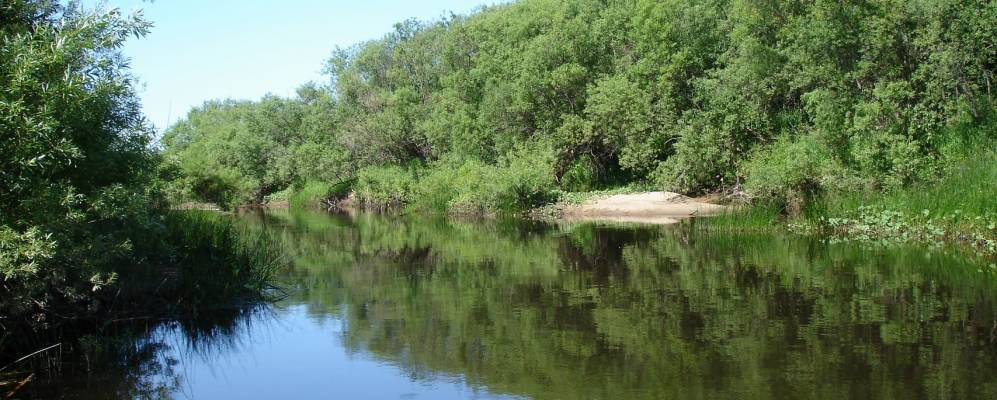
<point>217,259</point>
<point>195,262</point>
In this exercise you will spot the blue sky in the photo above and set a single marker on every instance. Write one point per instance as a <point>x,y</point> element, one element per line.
<point>208,49</point>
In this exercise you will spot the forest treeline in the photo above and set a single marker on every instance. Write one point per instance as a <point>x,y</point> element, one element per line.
<point>505,108</point>
<point>86,235</point>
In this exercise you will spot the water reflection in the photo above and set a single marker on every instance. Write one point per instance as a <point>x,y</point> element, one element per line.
<point>415,307</point>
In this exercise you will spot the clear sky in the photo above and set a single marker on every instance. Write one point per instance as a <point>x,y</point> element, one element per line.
<point>209,49</point>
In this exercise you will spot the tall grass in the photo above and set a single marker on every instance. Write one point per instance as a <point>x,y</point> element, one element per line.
<point>187,264</point>
<point>760,217</point>
<point>960,207</point>
<point>216,259</point>
<point>468,187</point>
<point>967,187</point>
<point>386,187</point>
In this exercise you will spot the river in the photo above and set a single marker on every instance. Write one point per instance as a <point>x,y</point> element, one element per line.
<point>415,307</point>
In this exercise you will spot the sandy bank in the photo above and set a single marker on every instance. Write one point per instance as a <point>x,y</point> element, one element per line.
<point>649,207</point>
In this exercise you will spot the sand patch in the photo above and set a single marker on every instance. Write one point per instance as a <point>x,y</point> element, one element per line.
<point>648,207</point>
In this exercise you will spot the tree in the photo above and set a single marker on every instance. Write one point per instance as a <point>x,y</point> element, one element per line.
<point>73,155</point>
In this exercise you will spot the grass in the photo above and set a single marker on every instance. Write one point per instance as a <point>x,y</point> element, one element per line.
<point>312,193</point>
<point>961,207</point>
<point>276,197</point>
<point>957,209</point>
<point>217,260</point>
<point>192,263</point>
<point>757,218</point>
<point>968,187</point>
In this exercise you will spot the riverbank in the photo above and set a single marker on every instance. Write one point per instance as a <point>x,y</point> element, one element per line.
<point>179,265</point>
<point>954,206</point>
<point>638,207</point>
<point>956,210</point>
<point>380,296</point>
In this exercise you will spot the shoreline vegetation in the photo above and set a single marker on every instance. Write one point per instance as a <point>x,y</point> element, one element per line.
<point>869,218</point>
<point>88,243</point>
<point>868,120</point>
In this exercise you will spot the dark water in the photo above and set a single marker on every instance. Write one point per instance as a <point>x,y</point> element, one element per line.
<point>430,308</point>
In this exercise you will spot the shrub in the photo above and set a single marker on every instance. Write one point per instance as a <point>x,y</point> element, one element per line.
<point>790,172</point>
<point>316,193</point>
<point>386,186</point>
<point>580,176</point>
<point>518,182</point>
<point>703,160</point>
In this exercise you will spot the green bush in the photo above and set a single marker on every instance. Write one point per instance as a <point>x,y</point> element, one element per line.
<point>791,172</point>
<point>526,178</point>
<point>704,160</point>
<point>74,163</point>
<point>314,193</point>
<point>386,187</point>
<point>446,181</point>
<point>782,99</point>
<point>581,176</point>
<point>518,182</point>
<point>83,237</point>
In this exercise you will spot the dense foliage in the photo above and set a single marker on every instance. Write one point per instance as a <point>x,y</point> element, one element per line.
<point>82,232</point>
<point>74,149</point>
<point>776,99</point>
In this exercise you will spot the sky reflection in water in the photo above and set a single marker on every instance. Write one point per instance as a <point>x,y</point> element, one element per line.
<point>385,307</point>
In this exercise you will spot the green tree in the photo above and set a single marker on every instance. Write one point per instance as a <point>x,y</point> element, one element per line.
<point>74,153</point>
<point>689,96</point>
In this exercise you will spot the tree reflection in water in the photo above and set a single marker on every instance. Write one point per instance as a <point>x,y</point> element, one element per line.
<point>602,312</point>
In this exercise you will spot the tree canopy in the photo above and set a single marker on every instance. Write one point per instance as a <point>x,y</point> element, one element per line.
<point>82,221</point>
<point>771,97</point>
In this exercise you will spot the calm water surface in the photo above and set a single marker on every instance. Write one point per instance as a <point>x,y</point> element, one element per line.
<point>382,307</point>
